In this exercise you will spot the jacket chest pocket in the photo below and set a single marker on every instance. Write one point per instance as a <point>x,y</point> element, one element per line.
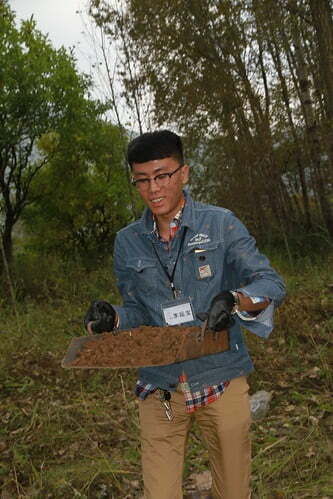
<point>143,273</point>
<point>205,261</point>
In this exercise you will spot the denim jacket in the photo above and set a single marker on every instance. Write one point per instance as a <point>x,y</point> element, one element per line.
<point>233,262</point>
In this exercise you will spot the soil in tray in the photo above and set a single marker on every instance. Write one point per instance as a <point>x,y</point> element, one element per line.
<point>146,344</point>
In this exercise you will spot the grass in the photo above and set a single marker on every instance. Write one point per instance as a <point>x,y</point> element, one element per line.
<point>75,433</point>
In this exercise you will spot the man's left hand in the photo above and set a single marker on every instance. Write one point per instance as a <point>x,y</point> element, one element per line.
<point>219,313</point>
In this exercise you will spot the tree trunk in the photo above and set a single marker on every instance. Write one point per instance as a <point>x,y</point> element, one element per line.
<point>275,53</point>
<point>312,131</point>
<point>323,23</point>
<point>7,239</point>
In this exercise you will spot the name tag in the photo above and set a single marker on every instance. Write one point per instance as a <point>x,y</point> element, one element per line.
<point>177,312</point>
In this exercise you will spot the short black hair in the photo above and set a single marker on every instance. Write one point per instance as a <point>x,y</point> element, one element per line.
<point>155,145</point>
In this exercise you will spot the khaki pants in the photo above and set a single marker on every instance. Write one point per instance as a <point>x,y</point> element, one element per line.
<point>225,427</point>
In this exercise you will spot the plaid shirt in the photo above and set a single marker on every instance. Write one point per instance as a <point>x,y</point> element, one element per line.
<point>193,400</point>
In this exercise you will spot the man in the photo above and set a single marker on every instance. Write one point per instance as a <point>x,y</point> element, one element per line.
<point>183,260</point>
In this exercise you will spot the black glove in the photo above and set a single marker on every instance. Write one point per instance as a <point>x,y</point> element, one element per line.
<point>219,313</point>
<point>102,315</point>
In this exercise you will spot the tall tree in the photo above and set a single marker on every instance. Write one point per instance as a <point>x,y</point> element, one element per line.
<point>241,80</point>
<point>322,18</point>
<point>40,92</point>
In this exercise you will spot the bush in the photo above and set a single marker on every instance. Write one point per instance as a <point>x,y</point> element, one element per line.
<point>49,278</point>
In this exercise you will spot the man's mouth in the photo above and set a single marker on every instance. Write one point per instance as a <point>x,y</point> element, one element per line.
<point>157,200</point>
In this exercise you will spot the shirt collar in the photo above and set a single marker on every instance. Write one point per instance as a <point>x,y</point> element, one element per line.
<point>174,224</point>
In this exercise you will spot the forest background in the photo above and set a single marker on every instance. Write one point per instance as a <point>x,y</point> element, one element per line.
<point>249,86</point>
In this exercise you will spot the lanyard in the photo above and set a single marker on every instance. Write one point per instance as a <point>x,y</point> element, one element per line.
<point>171,277</point>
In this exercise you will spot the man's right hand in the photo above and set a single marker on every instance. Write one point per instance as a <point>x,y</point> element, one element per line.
<point>100,317</point>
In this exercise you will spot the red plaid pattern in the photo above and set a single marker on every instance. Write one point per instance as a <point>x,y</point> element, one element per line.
<point>195,400</point>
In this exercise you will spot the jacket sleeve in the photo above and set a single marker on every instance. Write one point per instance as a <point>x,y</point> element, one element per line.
<point>253,274</point>
<point>131,313</point>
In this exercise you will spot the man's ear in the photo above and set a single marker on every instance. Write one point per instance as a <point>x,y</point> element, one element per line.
<point>185,174</point>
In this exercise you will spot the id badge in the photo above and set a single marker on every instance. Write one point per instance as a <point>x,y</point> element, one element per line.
<point>177,312</point>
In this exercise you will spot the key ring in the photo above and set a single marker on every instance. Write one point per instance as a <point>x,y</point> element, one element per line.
<point>165,397</point>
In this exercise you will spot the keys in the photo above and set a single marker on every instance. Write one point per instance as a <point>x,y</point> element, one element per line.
<point>165,398</point>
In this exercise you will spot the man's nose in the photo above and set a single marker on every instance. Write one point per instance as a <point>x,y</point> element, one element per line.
<point>153,185</point>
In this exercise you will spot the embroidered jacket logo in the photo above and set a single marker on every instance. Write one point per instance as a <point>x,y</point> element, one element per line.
<point>198,239</point>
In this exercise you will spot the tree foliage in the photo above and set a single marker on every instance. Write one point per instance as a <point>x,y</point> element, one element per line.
<point>81,208</point>
<point>60,163</point>
<point>40,92</point>
<point>249,84</point>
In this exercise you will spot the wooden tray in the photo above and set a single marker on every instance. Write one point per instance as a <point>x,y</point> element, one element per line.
<point>143,347</point>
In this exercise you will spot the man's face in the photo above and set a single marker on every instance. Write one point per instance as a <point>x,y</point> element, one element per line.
<point>163,195</point>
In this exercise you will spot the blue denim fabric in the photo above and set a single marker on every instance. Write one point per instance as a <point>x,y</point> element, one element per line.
<point>234,262</point>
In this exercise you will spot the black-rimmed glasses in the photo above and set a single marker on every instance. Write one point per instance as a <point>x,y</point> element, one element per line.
<point>161,180</point>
